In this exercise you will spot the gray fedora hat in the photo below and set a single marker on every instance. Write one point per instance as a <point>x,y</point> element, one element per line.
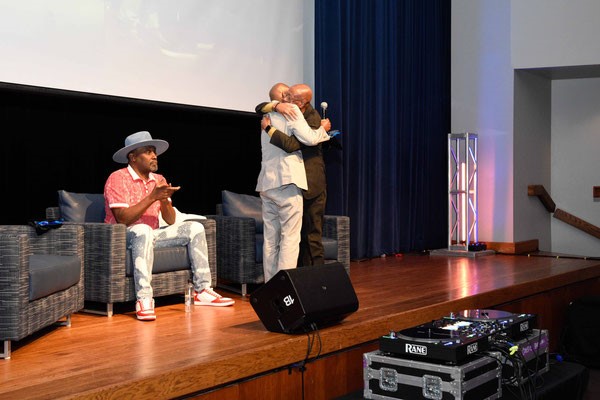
<point>136,140</point>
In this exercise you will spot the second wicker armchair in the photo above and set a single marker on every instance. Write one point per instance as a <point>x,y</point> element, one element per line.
<point>240,238</point>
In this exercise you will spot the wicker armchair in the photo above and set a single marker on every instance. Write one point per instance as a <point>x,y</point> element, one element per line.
<point>41,279</point>
<point>108,266</point>
<point>240,239</point>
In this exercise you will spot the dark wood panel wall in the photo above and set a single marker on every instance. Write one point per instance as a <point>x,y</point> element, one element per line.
<point>54,139</point>
<point>551,306</point>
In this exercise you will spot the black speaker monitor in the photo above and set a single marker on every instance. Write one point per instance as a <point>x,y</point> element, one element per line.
<point>294,299</point>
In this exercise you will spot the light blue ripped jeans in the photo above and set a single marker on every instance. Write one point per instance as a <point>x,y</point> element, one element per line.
<point>142,240</point>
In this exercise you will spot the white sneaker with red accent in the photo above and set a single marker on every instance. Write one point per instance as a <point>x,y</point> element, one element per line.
<point>209,297</point>
<point>144,310</point>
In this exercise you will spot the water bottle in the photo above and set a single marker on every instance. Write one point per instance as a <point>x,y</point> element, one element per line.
<point>189,297</point>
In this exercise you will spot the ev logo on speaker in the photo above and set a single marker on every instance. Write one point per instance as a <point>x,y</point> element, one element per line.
<point>288,300</point>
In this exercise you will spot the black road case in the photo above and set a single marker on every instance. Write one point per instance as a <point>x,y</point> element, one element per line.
<point>389,377</point>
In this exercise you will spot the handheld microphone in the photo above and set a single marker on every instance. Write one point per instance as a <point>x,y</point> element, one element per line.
<point>324,106</point>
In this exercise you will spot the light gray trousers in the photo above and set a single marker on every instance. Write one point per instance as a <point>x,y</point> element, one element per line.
<point>142,240</point>
<point>282,217</point>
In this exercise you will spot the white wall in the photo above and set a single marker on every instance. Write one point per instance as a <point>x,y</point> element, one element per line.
<point>481,102</point>
<point>532,127</point>
<point>543,125</point>
<point>551,33</point>
<point>575,161</point>
<point>308,52</point>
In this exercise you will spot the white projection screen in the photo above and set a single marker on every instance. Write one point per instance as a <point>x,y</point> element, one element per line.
<point>213,53</point>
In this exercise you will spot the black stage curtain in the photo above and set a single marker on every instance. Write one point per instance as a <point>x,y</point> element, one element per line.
<point>383,67</point>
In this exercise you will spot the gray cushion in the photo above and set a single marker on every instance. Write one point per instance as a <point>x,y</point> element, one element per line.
<point>50,273</point>
<point>81,207</point>
<point>243,205</point>
<point>330,248</point>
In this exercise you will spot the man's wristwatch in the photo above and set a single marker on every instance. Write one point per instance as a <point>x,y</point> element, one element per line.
<point>270,130</point>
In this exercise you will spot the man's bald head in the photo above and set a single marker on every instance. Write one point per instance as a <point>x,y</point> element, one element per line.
<point>278,91</point>
<point>301,95</point>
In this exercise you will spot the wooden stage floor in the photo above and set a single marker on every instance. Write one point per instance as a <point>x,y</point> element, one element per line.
<point>185,355</point>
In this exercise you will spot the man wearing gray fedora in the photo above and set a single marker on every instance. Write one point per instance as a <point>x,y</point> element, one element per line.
<point>135,196</point>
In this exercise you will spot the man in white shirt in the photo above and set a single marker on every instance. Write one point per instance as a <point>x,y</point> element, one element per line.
<point>280,183</point>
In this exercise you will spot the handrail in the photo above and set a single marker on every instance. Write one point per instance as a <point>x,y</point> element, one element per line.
<point>577,222</point>
<point>542,194</point>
